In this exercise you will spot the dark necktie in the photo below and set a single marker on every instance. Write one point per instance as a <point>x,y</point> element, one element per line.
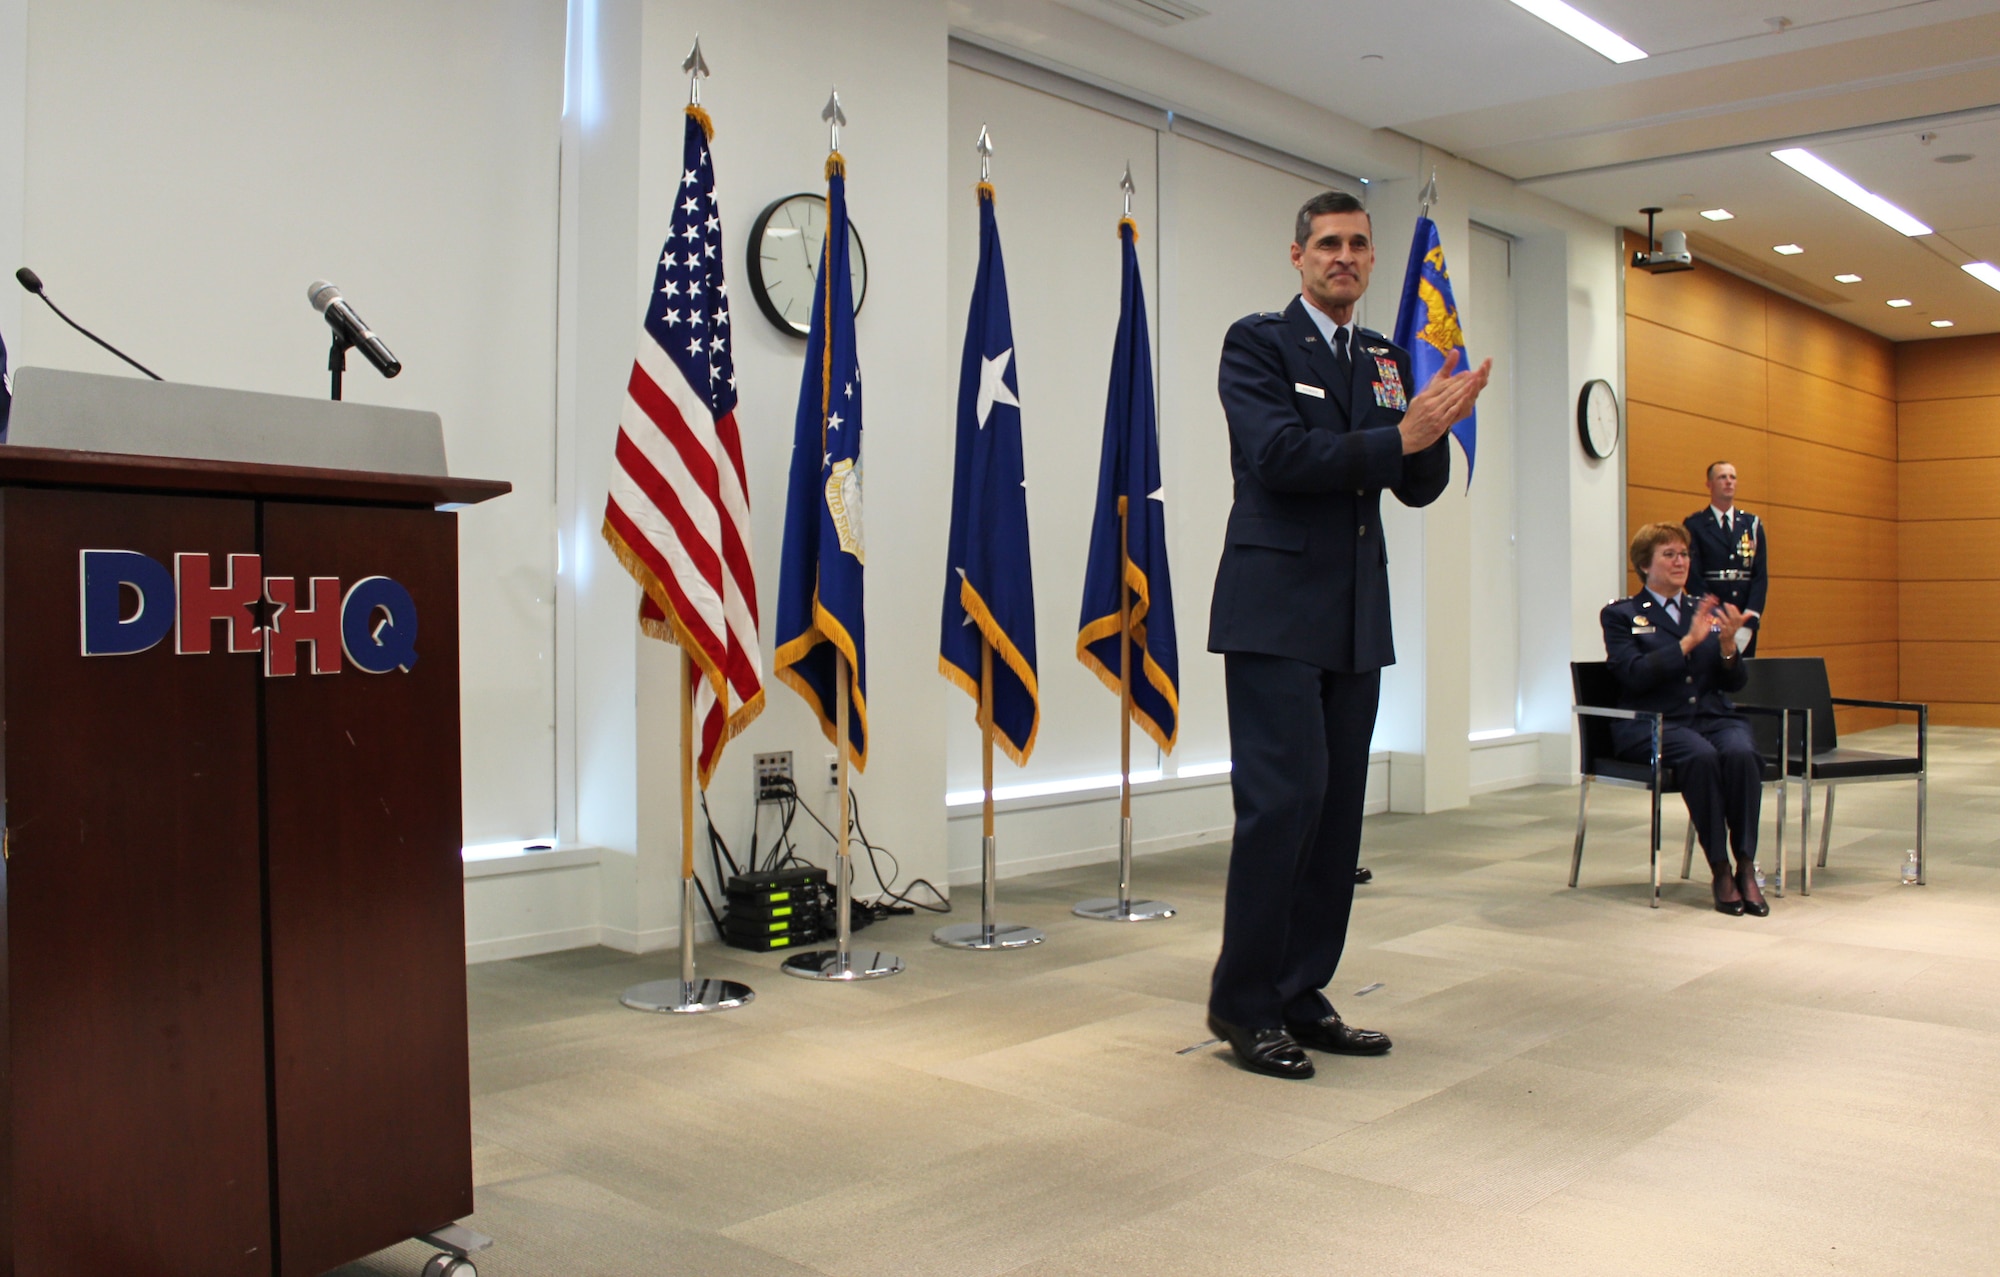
<point>1340,352</point>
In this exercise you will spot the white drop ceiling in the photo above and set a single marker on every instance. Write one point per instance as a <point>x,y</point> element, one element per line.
<point>1880,90</point>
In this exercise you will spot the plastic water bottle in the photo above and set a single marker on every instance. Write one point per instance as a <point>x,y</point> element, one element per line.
<point>1910,867</point>
<point>1759,867</point>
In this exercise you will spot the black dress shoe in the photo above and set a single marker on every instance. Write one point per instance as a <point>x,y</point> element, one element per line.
<point>1734,908</point>
<point>1755,908</point>
<point>1334,1036</point>
<point>1363,874</point>
<point>1268,1051</point>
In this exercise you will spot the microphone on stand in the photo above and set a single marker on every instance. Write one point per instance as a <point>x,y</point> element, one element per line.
<point>351,328</point>
<point>33,283</point>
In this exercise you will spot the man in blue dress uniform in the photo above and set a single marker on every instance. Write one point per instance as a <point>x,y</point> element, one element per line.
<point>1728,548</point>
<point>1319,424</point>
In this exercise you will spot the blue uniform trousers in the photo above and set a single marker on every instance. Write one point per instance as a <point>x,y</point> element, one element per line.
<point>1298,738</point>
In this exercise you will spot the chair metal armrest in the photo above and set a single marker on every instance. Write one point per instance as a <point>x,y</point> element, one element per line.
<point>1606,711</point>
<point>1909,706</point>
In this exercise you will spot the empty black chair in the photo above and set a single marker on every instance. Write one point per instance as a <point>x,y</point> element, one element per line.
<point>1798,686</point>
<point>1596,690</point>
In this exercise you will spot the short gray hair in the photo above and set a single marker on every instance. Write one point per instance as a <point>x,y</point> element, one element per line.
<point>1321,204</point>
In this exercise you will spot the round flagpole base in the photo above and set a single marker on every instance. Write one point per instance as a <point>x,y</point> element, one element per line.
<point>832,964</point>
<point>1111,909</point>
<point>687,997</point>
<point>977,935</point>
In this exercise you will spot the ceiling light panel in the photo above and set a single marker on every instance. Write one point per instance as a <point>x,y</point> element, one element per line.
<point>1847,279</point>
<point>1899,302</point>
<point>1718,214</point>
<point>1940,323</point>
<point>1789,250</point>
<point>1583,29</point>
<point>1811,166</point>
<point>1985,272</point>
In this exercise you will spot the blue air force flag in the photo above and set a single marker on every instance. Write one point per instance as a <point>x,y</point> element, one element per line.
<point>1427,326</point>
<point>989,591</point>
<point>819,576</point>
<point>1128,483</point>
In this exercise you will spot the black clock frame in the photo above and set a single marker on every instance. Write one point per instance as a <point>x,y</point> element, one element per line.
<point>1583,419</point>
<point>755,263</point>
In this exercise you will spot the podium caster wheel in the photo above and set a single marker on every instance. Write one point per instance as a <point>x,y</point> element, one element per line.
<point>449,1266</point>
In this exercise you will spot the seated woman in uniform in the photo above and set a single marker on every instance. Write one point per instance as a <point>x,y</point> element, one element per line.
<point>1675,655</point>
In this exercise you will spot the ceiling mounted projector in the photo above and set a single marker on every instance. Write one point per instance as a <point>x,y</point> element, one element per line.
<point>1666,253</point>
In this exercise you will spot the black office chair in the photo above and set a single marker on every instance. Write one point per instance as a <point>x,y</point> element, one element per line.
<point>1596,690</point>
<point>1798,685</point>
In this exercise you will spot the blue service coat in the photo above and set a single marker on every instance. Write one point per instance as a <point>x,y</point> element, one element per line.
<point>1305,570</point>
<point>1732,566</point>
<point>1642,644</point>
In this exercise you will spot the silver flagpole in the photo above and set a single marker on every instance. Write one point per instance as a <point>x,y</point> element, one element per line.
<point>987,933</point>
<point>838,963</point>
<point>1122,908</point>
<point>688,995</point>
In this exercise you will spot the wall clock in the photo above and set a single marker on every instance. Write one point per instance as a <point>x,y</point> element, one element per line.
<point>1597,418</point>
<point>785,245</point>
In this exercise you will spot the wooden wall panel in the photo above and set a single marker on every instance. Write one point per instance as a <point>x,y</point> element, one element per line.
<point>1671,369</point>
<point>1934,611</point>
<point>1813,341</point>
<point>1965,488</point>
<point>1805,542</point>
<point>1802,611</point>
<point>1951,672</point>
<point>1713,305</point>
<point>1950,368</point>
<point>1713,363</point>
<point>1963,714</point>
<point>1937,429</point>
<point>1948,550</point>
<point>1672,450</point>
<point>1804,406</point>
<point>1813,476</point>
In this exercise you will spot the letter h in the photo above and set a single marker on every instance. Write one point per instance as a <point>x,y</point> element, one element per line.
<point>317,626</point>
<point>202,602</point>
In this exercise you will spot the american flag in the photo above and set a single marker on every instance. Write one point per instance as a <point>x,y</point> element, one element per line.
<point>677,516</point>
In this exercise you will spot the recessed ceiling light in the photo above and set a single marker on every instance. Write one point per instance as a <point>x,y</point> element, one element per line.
<point>1812,166</point>
<point>1789,250</point>
<point>1899,302</point>
<point>1585,30</point>
<point>1985,272</point>
<point>1847,279</point>
<point>1940,323</point>
<point>1959,158</point>
<point>1718,214</point>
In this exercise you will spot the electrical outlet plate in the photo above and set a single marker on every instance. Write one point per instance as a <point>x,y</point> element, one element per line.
<point>833,771</point>
<point>774,774</point>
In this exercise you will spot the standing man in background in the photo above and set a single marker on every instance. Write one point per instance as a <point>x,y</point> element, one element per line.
<point>1729,561</point>
<point>1319,424</point>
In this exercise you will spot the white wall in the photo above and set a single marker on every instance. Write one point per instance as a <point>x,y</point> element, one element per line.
<point>190,168</point>
<point>501,229</point>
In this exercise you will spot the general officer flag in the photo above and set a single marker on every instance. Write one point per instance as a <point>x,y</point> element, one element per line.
<point>819,577</point>
<point>1128,483</point>
<point>989,591</point>
<point>677,515</point>
<point>1427,326</point>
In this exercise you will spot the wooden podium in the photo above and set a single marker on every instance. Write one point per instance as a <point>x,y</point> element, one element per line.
<point>232,988</point>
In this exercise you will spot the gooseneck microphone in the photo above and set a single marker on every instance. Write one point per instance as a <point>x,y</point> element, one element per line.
<point>33,283</point>
<point>350,328</point>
